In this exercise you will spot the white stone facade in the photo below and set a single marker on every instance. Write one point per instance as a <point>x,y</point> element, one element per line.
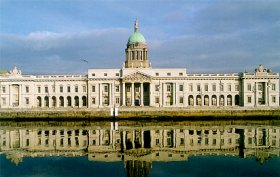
<point>138,84</point>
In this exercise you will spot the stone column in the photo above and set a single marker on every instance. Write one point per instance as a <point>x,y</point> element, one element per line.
<point>174,94</point>
<point>132,94</point>
<point>202,100</point>
<point>185,98</point>
<point>162,95</point>
<point>123,93</point>
<point>20,95</point>
<point>100,94</point>
<point>142,94</point>
<point>10,96</point>
<point>267,93</point>
<point>110,95</point>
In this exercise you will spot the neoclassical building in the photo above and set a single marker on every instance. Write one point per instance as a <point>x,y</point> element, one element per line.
<point>137,83</point>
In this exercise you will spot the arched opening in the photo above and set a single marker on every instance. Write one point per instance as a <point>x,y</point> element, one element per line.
<point>198,100</point>
<point>214,100</point>
<point>222,100</point>
<point>190,100</point>
<point>61,101</point>
<point>69,101</point>
<point>53,101</point>
<point>46,101</point>
<point>76,101</point>
<point>39,101</point>
<point>229,100</point>
<point>206,100</point>
<point>236,100</point>
<point>84,98</point>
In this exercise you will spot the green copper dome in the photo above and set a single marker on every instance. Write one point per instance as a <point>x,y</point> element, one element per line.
<point>136,37</point>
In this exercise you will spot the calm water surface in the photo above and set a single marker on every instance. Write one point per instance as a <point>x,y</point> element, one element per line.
<point>138,148</point>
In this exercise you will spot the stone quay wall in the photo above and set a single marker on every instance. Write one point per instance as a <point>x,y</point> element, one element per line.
<point>142,113</point>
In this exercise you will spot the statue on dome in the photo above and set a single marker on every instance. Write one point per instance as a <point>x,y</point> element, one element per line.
<point>15,71</point>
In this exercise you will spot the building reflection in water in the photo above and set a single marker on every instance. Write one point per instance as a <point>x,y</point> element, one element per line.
<point>138,145</point>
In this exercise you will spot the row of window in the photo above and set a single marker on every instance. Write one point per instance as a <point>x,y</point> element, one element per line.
<point>106,74</point>
<point>260,86</point>
<point>249,99</point>
<point>105,88</point>
<point>199,87</point>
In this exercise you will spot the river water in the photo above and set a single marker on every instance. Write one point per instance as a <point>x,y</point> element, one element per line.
<point>140,148</point>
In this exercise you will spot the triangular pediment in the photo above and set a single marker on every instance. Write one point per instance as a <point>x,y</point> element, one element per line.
<point>137,76</point>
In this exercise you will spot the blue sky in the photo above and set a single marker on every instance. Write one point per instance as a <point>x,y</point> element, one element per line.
<point>52,36</point>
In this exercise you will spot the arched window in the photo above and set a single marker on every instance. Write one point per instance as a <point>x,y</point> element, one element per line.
<point>84,98</point>
<point>53,101</point>
<point>190,100</point>
<point>76,101</point>
<point>69,101</point>
<point>39,101</point>
<point>46,101</point>
<point>229,100</point>
<point>61,101</point>
<point>206,100</point>
<point>198,100</point>
<point>214,100</point>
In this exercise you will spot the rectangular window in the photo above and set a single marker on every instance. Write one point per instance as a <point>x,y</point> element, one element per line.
<point>198,88</point>
<point>93,74</point>
<point>105,74</point>
<point>68,89</point>
<point>181,88</point>
<point>190,87</point>
<point>39,89</point>
<point>169,88</point>
<point>117,87</point>
<point>181,99</point>
<point>157,74</point>
<point>249,87</point>
<point>93,100</point>
<point>182,141</point>
<point>206,87</point>
<point>76,89</point>
<point>4,89</point>
<point>249,99</point>
<point>84,88</point>
<point>117,100</point>
<point>27,101</point>
<point>180,74</point>
<point>157,99</point>
<point>236,87</point>
<point>27,89</point>
<point>46,89</point>
<point>93,88</point>
<point>214,87</point>
<point>273,99</point>
<point>117,74</point>
<point>229,87</point>
<point>168,74</point>
<point>222,87</point>
<point>61,89</point>
<point>273,87</point>
<point>105,88</point>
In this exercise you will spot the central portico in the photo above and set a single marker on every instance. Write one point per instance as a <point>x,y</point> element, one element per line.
<point>136,89</point>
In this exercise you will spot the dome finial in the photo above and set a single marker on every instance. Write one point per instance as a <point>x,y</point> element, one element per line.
<point>136,25</point>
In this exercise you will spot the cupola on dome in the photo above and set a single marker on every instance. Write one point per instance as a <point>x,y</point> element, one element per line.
<point>136,36</point>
